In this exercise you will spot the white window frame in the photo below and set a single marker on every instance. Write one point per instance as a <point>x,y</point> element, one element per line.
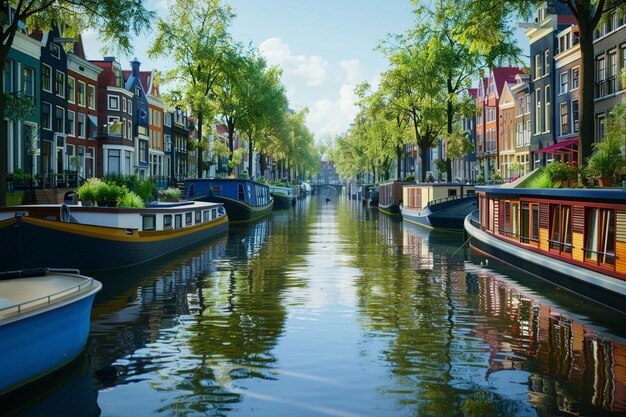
<point>113,102</point>
<point>130,107</point>
<point>577,68</point>
<point>538,111</point>
<point>62,119</point>
<point>71,98</point>
<point>71,131</point>
<point>84,101</point>
<point>62,94</point>
<point>547,118</point>
<point>90,88</point>
<point>49,79</point>
<point>84,132</point>
<point>564,86</point>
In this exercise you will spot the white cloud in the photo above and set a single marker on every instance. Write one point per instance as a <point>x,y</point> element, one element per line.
<point>312,69</point>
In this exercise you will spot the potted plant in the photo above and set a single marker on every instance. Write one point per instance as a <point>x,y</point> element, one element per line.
<point>480,179</point>
<point>496,177</point>
<point>607,160</point>
<point>88,192</point>
<point>169,194</point>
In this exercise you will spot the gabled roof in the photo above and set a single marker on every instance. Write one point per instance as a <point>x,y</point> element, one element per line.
<point>472,92</point>
<point>502,75</point>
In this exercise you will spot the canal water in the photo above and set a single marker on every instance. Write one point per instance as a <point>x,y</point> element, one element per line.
<point>332,309</point>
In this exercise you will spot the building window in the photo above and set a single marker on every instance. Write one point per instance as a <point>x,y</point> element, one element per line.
<point>71,90</point>
<point>601,77</point>
<point>123,105</point>
<point>560,229</point>
<point>119,78</point>
<point>114,126</point>
<point>537,67</point>
<point>114,103</point>
<point>46,78</point>
<point>564,82</point>
<point>575,77</point>
<point>546,62</point>
<point>148,222</point>
<point>167,119</point>
<point>600,236</point>
<point>547,118</point>
<point>59,120</point>
<point>46,116</point>
<point>143,151</point>
<point>537,111</point>
<point>129,129</point>
<point>81,93</point>
<point>612,73</point>
<point>55,51</point>
<point>599,127</point>
<point>575,116</point>
<point>28,82</point>
<point>81,125</point>
<point>564,119</point>
<point>59,84</point>
<point>113,161</point>
<point>130,107</point>
<point>71,127</point>
<point>91,96</point>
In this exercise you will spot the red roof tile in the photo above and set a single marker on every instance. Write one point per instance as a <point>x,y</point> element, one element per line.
<point>473,92</point>
<point>145,77</point>
<point>502,75</point>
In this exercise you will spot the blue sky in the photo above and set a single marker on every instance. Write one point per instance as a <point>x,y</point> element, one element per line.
<point>325,48</point>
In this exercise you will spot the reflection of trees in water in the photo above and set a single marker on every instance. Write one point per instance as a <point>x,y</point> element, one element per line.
<point>461,340</point>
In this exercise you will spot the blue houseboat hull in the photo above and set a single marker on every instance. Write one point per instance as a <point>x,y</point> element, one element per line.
<point>37,343</point>
<point>446,215</point>
<point>244,200</point>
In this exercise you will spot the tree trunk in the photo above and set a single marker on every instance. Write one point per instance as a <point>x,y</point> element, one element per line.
<point>231,144</point>
<point>200,150</point>
<point>250,156</point>
<point>586,104</point>
<point>262,164</point>
<point>423,155</point>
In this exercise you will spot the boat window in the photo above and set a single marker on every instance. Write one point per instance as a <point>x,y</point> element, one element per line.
<point>167,221</point>
<point>178,221</point>
<point>529,222</point>
<point>241,195</point>
<point>560,229</point>
<point>600,236</point>
<point>188,219</point>
<point>148,222</point>
<point>214,213</point>
<point>217,190</point>
<point>198,217</point>
<point>206,215</point>
<point>451,192</point>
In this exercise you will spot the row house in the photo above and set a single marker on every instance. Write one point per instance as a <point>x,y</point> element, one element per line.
<point>464,168</point>
<point>82,114</point>
<point>53,105</point>
<point>179,130</point>
<point>156,149</point>
<point>610,61</point>
<point>506,132</point>
<point>488,97</point>
<point>140,118</point>
<point>115,114</point>
<point>521,94</point>
<point>22,79</point>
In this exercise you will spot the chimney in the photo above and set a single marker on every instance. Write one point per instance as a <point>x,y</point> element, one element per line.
<point>135,67</point>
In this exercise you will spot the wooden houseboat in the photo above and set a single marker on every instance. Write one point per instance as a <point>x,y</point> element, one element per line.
<point>44,322</point>
<point>573,237</point>
<point>284,197</point>
<point>438,205</point>
<point>244,200</point>
<point>95,238</point>
<point>390,196</point>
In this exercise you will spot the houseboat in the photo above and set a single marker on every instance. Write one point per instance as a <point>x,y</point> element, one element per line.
<point>244,200</point>
<point>390,196</point>
<point>44,323</point>
<point>438,205</point>
<point>95,238</point>
<point>284,197</point>
<point>372,197</point>
<point>575,238</point>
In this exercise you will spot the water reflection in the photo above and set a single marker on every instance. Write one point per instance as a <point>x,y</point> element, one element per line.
<point>332,309</point>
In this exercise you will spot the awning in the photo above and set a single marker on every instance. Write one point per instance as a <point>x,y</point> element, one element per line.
<point>567,146</point>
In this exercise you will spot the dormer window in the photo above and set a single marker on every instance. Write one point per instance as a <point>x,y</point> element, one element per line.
<point>55,51</point>
<point>119,78</point>
<point>542,13</point>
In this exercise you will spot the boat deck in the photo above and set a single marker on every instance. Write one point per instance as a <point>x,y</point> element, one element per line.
<point>22,295</point>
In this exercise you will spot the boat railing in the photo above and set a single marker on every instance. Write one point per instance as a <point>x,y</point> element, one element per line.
<point>474,219</point>
<point>449,198</point>
<point>17,309</point>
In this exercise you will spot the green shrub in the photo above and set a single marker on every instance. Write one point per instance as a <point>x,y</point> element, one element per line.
<point>557,171</point>
<point>130,199</point>
<point>89,191</point>
<point>171,193</point>
<point>410,178</point>
<point>145,189</point>
<point>542,180</point>
<point>480,179</point>
<point>109,192</point>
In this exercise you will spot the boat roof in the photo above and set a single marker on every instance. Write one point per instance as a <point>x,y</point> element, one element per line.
<point>154,207</point>
<point>613,194</point>
<point>21,297</point>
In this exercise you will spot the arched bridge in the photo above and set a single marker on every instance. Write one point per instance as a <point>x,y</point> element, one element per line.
<point>319,188</point>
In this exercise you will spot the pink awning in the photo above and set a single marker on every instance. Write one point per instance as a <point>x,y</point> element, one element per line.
<point>567,146</point>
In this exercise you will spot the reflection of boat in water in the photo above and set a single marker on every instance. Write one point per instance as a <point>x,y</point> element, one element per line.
<point>244,200</point>
<point>94,238</point>
<point>574,238</point>
<point>438,205</point>
<point>44,323</point>
<point>68,392</point>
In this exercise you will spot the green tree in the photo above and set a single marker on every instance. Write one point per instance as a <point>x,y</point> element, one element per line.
<point>195,35</point>
<point>116,21</point>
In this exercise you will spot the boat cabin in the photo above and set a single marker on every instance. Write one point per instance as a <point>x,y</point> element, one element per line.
<point>586,228</point>
<point>418,196</point>
<point>390,193</point>
<point>247,191</point>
